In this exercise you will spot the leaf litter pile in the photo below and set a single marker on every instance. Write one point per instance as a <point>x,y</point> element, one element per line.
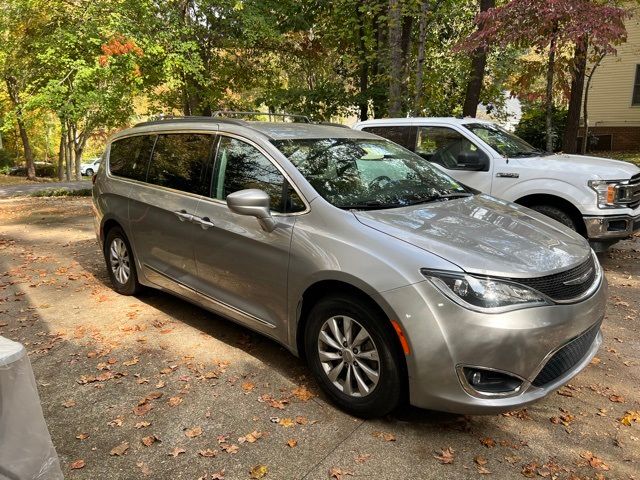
<point>152,387</point>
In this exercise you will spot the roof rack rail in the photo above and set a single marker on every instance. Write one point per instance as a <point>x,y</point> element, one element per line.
<point>159,119</point>
<point>231,113</point>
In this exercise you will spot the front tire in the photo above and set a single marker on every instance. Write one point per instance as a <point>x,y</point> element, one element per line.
<point>354,356</point>
<point>89,172</point>
<point>120,263</point>
<point>556,214</point>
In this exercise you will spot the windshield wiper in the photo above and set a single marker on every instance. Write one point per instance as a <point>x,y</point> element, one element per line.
<point>441,197</point>
<point>371,205</point>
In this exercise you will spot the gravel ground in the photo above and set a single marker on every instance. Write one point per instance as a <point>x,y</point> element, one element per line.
<point>154,387</point>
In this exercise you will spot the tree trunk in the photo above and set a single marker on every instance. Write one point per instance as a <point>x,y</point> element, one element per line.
<point>476,78</point>
<point>363,102</point>
<point>61,155</point>
<point>69,154</point>
<point>548,124</point>
<point>378,95</point>
<point>579,68</point>
<point>422,40</point>
<point>395,59</point>
<point>585,113</point>
<point>14,94</point>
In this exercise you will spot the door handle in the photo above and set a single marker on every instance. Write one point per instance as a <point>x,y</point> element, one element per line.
<point>205,222</point>
<point>183,215</point>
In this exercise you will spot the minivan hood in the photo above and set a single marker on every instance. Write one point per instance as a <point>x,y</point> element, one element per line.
<point>595,168</point>
<point>484,235</point>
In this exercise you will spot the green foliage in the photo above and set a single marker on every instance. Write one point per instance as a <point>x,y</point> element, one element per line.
<point>62,192</point>
<point>532,126</point>
<point>47,170</point>
<point>6,161</point>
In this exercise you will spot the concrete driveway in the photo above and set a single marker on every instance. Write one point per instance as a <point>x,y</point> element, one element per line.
<point>154,387</point>
<point>23,189</point>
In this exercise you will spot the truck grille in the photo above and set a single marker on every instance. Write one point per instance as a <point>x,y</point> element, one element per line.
<point>561,286</point>
<point>567,357</point>
<point>630,194</point>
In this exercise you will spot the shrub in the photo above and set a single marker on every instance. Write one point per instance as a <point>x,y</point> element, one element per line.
<point>532,126</point>
<point>6,161</point>
<point>62,192</point>
<point>42,170</point>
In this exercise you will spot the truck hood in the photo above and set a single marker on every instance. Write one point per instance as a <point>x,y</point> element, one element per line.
<point>484,235</point>
<point>595,168</point>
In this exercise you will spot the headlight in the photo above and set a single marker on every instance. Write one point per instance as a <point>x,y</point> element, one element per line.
<point>484,293</point>
<point>607,191</point>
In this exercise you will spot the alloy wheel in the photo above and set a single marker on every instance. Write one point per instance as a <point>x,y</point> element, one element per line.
<point>349,356</point>
<point>119,259</point>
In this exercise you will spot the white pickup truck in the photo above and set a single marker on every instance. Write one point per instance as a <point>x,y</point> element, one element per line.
<point>598,197</point>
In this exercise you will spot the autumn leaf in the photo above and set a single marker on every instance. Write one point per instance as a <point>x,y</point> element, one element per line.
<point>120,449</point>
<point>230,449</point>
<point>300,420</point>
<point>488,442</point>
<point>176,451</point>
<point>363,458</point>
<point>153,396</point>
<point>116,422</point>
<point>616,398</point>
<point>142,424</point>
<point>248,386</point>
<point>174,401</point>
<point>629,417</point>
<point>208,453</point>
<point>144,468</point>
<point>258,471</point>
<point>193,432</point>
<point>594,461</point>
<point>302,393</point>
<point>338,473</point>
<point>250,437</point>
<point>292,442</point>
<point>529,470</point>
<point>446,456</point>
<point>77,464</point>
<point>218,475</point>
<point>150,440</point>
<point>131,362</point>
<point>286,422</point>
<point>142,409</point>
<point>69,404</point>
<point>480,460</point>
<point>386,436</point>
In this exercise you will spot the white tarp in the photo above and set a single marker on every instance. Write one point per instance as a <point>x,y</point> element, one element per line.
<point>26,451</point>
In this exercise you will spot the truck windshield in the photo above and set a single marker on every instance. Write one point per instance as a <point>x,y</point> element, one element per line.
<point>503,142</point>
<point>357,173</point>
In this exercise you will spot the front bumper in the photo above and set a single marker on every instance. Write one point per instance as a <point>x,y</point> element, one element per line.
<point>612,227</point>
<point>444,336</point>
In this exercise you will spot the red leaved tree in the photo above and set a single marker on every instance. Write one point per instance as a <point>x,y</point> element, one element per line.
<point>548,25</point>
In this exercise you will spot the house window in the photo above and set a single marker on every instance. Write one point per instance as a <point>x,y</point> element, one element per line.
<point>636,88</point>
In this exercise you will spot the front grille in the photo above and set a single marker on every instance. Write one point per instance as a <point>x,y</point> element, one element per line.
<point>631,192</point>
<point>555,287</point>
<point>567,357</point>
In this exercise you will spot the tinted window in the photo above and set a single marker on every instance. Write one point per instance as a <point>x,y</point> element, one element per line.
<point>367,173</point>
<point>404,135</point>
<point>129,156</point>
<point>445,146</point>
<point>240,166</point>
<point>636,88</point>
<point>180,161</point>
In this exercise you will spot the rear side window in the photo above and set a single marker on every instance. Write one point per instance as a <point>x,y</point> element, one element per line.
<point>404,135</point>
<point>180,162</point>
<point>129,156</point>
<point>240,166</point>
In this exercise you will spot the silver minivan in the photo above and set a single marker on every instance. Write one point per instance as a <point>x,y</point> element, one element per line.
<point>394,281</point>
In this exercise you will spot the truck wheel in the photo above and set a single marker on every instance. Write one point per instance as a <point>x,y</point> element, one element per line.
<point>557,214</point>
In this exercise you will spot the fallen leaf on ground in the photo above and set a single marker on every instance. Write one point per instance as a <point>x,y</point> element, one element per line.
<point>116,422</point>
<point>488,442</point>
<point>522,414</point>
<point>363,458</point>
<point>142,409</point>
<point>193,432</point>
<point>77,464</point>
<point>258,471</point>
<point>174,401</point>
<point>302,393</point>
<point>594,461</point>
<point>529,470</point>
<point>629,417</point>
<point>616,398</point>
<point>248,386</point>
<point>338,473</point>
<point>142,424</point>
<point>82,436</point>
<point>286,422</point>
<point>69,404</point>
<point>120,449</point>
<point>133,361</point>
<point>480,460</point>
<point>208,453</point>
<point>292,442</point>
<point>176,451</point>
<point>218,475</point>
<point>446,456</point>
<point>386,436</point>
<point>230,449</point>
<point>250,437</point>
<point>144,468</point>
<point>150,440</point>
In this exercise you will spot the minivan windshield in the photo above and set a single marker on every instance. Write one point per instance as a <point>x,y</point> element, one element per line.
<point>360,173</point>
<point>502,141</point>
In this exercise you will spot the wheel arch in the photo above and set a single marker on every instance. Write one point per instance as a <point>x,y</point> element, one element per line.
<point>558,202</point>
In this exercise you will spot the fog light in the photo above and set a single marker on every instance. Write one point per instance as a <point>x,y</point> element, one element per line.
<point>490,381</point>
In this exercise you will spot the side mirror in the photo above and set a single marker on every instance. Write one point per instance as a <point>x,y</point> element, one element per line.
<point>470,160</point>
<point>253,203</point>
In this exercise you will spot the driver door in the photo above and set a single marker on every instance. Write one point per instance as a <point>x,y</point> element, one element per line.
<point>449,150</point>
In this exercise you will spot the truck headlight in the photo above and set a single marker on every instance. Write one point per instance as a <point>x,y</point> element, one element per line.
<point>607,192</point>
<point>484,293</point>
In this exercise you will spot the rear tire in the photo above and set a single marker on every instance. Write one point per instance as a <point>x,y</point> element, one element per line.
<point>556,214</point>
<point>89,172</point>
<point>354,340</point>
<point>121,264</point>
